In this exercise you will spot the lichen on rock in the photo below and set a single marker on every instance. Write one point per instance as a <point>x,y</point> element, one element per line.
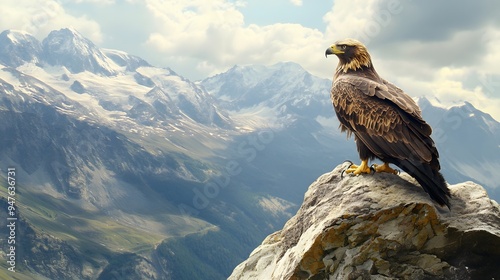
<point>381,226</point>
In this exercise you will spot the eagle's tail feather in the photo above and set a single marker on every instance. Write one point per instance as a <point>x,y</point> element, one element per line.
<point>430,179</point>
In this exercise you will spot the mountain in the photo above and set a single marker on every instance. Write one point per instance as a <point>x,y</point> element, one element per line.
<point>381,227</point>
<point>136,171</point>
<point>469,144</point>
<point>19,47</point>
<point>116,162</point>
<point>68,48</point>
<point>285,87</point>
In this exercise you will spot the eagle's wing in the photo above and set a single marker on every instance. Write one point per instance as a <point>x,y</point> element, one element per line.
<point>384,118</point>
<point>384,90</point>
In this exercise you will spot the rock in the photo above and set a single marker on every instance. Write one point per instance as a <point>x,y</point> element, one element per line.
<point>381,226</point>
<point>77,87</point>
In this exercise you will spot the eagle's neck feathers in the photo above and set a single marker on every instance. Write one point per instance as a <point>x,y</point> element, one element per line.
<point>360,64</point>
<point>360,60</point>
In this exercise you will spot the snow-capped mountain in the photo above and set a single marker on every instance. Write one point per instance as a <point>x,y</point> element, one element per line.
<point>105,136</point>
<point>469,143</point>
<point>19,47</point>
<point>114,87</point>
<point>68,48</point>
<point>285,87</point>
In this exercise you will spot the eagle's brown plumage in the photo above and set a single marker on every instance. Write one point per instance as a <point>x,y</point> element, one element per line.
<point>386,122</point>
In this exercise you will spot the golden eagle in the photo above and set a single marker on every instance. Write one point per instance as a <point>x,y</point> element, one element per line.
<point>386,122</point>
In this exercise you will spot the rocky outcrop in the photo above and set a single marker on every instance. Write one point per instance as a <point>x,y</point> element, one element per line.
<point>381,226</point>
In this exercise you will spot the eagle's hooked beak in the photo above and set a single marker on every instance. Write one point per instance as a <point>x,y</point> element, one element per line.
<point>333,50</point>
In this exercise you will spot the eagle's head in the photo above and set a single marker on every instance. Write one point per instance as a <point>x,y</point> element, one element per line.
<point>352,55</point>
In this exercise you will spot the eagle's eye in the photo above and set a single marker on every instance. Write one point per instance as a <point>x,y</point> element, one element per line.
<point>343,47</point>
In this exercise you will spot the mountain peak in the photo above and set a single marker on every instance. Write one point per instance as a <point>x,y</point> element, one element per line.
<point>381,227</point>
<point>16,36</point>
<point>69,31</point>
<point>284,85</point>
<point>69,48</point>
<point>19,47</point>
<point>69,39</point>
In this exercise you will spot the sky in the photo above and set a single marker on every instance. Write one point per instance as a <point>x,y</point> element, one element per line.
<point>445,50</point>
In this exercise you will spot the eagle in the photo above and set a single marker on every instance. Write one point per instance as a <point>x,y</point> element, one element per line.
<point>386,122</point>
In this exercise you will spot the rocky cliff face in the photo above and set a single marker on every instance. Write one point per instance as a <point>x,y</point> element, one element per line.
<point>381,226</point>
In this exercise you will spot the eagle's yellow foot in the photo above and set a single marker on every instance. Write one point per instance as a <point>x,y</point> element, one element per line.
<point>362,168</point>
<point>384,168</point>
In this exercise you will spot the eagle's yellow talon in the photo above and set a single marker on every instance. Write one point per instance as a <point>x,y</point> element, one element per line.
<point>384,168</point>
<point>362,168</point>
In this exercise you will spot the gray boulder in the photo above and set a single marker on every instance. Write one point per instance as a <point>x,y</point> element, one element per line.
<point>381,226</point>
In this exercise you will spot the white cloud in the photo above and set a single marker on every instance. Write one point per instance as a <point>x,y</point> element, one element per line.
<point>214,33</point>
<point>296,2</point>
<point>360,19</point>
<point>39,17</point>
